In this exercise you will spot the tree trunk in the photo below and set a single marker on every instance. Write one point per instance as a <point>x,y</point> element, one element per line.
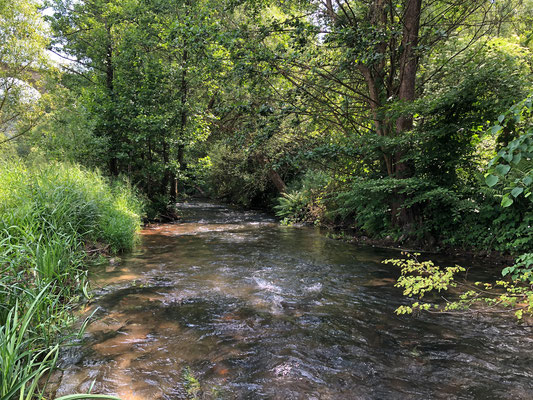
<point>166,174</point>
<point>277,181</point>
<point>375,80</point>
<point>409,60</point>
<point>380,89</point>
<point>403,216</point>
<point>173,188</point>
<point>273,175</point>
<point>330,11</point>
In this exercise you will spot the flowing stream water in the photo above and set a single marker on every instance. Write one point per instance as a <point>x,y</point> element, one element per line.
<point>255,310</point>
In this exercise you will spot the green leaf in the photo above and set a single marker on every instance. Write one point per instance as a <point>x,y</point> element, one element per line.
<point>491,180</point>
<point>506,201</point>
<point>502,169</point>
<point>517,157</point>
<point>517,191</point>
<point>495,129</point>
<point>508,157</point>
<point>514,144</point>
<point>501,118</point>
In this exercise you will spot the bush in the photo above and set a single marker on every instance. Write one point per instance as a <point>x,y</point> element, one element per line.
<point>292,206</point>
<point>303,201</point>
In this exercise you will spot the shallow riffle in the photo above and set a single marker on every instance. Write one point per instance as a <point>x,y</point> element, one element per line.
<point>255,310</point>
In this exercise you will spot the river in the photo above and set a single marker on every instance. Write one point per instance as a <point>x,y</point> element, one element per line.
<point>255,310</point>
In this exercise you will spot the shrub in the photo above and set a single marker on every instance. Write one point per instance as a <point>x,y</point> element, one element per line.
<point>292,206</point>
<point>303,202</point>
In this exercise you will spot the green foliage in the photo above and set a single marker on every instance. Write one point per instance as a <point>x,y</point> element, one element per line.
<point>444,154</point>
<point>419,278</point>
<point>23,35</point>
<point>365,203</point>
<point>23,358</point>
<point>291,206</point>
<point>65,133</point>
<point>303,202</point>
<point>476,87</point>
<point>512,168</point>
<point>144,87</point>
<point>522,269</point>
<point>68,201</point>
<point>192,385</point>
<point>237,177</point>
<point>510,175</point>
<point>50,213</point>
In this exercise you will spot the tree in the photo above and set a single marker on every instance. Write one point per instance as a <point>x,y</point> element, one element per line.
<point>146,69</point>
<point>22,55</point>
<point>387,44</point>
<point>361,67</point>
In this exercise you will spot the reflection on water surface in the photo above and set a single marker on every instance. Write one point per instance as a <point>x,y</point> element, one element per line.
<point>261,311</point>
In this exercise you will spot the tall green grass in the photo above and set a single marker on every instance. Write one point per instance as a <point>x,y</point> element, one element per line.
<point>50,214</point>
<point>23,360</point>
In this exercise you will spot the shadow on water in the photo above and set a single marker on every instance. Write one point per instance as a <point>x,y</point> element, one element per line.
<point>262,311</point>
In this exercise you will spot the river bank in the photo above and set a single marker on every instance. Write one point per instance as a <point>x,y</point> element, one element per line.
<point>492,258</point>
<point>54,217</point>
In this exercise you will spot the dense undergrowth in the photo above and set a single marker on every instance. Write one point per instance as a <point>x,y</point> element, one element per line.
<point>491,210</point>
<point>52,217</point>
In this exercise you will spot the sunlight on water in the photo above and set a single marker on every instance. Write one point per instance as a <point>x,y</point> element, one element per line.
<point>260,311</point>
